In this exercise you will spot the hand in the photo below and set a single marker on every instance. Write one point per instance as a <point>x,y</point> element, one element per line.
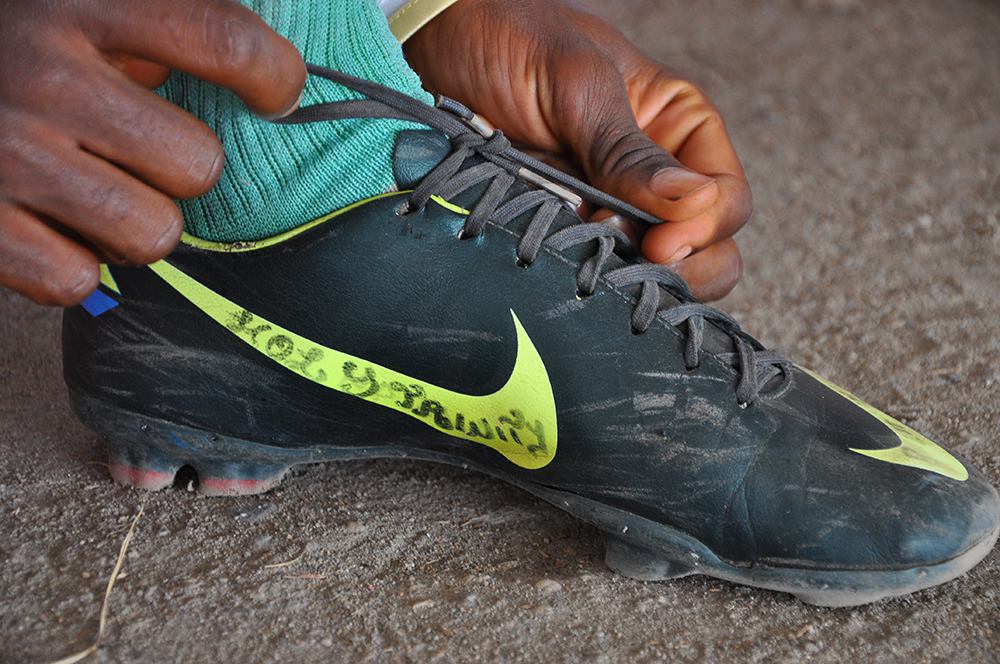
<point>89,157</point>
<point>560,81</point>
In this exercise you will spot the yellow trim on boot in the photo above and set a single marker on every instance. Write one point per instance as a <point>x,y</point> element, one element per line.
<point>253,245</point>
<point>518,420</point>
<point>108,279</point>
<point>914,450</point>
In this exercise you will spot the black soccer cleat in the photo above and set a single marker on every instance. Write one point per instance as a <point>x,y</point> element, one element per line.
<point>473,319</point>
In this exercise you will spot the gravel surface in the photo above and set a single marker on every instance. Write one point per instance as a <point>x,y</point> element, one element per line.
<point>871,132</point>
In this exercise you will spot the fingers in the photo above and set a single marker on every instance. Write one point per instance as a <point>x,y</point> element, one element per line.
<point>702,214</point>
<point>633,230</point>
<point>714,272</point>
<point>41,263</point>
<point>218,41</point>
<point>690,127</point>
<point>622,160</point>
<point>679,118</point>
<point>129,220</point>
<point>633,168</point>
<point>597,122</point>
<point>89,160</point>
<point>674,241</point>
<point>661,146</point>
<point>657,143</point>
<point>149,137</point>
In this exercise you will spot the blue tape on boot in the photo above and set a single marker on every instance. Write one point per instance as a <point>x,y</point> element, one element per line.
<point>98,303</point>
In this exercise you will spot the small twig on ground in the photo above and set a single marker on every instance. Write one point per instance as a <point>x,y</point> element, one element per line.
<point>287,562</point>
<point>115,574</point>
<point>474,520</point>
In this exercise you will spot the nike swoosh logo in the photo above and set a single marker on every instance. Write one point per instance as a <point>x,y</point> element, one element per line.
<point>914,449</point>
<point>518,420</point>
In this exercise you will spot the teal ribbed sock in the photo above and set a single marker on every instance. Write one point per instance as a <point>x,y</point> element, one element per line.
<point>279,177</point>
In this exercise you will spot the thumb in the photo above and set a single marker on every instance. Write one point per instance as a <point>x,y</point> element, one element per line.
<point>620,159</point>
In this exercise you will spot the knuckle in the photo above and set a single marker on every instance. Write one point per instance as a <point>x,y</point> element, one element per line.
<point>172,228</point>
<point>617,150</point>
<point>204,166</point>
<point>44,86</point>
<point>234,44</point>
<point>29,161</point>
<point>130,222</point>
<point>599,107</point>
<point>24,69</point>
<point>721,274</point>
<point>157,238</point>
<point>690,94</point>
<point>730,272</point>
<point>71,281</point>
<point>706,115</point>
<point>689,98</point>
<point>50,83</point>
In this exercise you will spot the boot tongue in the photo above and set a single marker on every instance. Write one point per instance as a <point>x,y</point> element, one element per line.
<point>417,152</point>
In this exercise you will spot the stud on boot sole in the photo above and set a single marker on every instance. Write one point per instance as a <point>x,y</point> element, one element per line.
<point>639,563</point>
<point>147,453</point>
<point>143,466</point>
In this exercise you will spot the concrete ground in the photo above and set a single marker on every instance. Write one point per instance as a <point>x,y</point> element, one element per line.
<point>871,132</point>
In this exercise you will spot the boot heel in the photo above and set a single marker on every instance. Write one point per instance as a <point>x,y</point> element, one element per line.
<point>141,466</point>
<point>146,453</point>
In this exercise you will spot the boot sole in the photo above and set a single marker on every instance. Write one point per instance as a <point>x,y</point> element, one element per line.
<point>147,453</point>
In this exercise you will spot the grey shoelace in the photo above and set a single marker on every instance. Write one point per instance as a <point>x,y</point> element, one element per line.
<point>502,166</point>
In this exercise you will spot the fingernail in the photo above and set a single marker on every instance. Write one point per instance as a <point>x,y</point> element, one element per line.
<point>679,255</point>
<point>295,106</point>
<point>676,183</point>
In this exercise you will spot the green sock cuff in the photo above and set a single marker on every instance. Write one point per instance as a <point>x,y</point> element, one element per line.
<point>278,177</point>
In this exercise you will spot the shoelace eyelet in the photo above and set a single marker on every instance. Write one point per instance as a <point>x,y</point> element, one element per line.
<point>406,209</point>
